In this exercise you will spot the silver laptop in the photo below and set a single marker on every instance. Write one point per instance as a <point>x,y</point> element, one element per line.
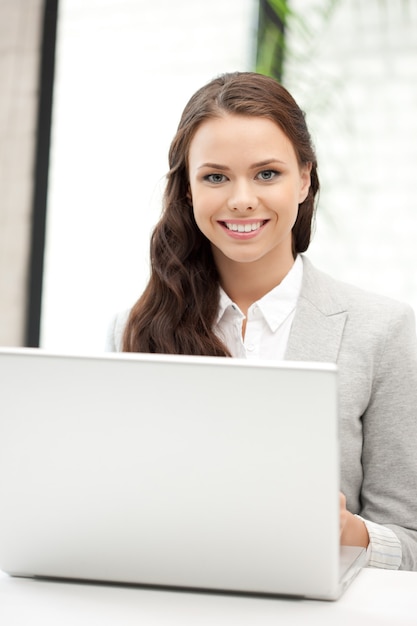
<point>181,472</point>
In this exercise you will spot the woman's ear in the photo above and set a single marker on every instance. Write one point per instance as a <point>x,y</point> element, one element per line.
<point>305,179</point>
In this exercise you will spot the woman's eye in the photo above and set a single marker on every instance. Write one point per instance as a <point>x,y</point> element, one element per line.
<point>215,178</point>
<point>267,174</point>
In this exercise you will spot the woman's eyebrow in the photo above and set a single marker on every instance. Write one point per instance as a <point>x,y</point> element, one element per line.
<point>219,166</point>
<point>268,162</point>
<point>216,166</point>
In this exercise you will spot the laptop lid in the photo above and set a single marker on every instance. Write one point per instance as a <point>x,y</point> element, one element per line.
<point>167,470</point>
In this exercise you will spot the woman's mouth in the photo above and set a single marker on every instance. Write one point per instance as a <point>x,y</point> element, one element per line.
<point>244,226</point>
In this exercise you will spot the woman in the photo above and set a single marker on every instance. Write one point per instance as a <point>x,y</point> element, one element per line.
<point>228,278</point>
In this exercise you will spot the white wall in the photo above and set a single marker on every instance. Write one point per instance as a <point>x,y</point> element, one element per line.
<point>357,80</point>
<point>125,70</point>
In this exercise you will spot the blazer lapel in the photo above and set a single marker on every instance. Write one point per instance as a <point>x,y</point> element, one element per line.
<point>317,329</point>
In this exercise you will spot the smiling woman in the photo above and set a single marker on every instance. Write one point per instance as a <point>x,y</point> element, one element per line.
<point>233,132</point>
<point>228,279</point>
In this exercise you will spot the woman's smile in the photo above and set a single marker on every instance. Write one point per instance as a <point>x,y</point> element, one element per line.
<point>243,229</point>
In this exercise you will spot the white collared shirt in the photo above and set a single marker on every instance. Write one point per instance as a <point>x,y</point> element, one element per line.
<point>268,322</point>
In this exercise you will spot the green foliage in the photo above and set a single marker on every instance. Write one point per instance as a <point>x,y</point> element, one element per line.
<point>276,17</point>
<point>270,55</point>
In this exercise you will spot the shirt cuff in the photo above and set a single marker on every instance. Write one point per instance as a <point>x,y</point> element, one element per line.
<point>384,548</point>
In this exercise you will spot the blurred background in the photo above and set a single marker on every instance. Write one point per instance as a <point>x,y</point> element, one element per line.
<point>90,96</point>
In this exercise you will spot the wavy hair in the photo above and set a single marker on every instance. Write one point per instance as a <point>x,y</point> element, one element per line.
<point>178,308</point>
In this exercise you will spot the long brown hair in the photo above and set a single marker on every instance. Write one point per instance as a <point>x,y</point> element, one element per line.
<point>176,312</point>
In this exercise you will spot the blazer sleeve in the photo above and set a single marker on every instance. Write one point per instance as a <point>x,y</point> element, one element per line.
<point>389,454</point>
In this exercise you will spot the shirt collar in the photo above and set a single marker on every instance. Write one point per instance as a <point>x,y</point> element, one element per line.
<point>277,304</point>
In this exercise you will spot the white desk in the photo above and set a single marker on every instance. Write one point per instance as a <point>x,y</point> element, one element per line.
<point>375,598</point>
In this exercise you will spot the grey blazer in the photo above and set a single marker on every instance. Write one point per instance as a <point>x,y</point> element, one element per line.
<point>373,341</point>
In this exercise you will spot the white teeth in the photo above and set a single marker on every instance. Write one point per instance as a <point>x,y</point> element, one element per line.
<point>244,228</point>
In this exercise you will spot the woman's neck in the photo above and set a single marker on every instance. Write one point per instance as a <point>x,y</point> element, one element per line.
<point>245,283</point>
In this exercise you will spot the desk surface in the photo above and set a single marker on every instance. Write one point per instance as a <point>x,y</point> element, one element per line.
<point>375,598</point>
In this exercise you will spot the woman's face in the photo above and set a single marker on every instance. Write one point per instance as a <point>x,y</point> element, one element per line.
<point>245,187</point>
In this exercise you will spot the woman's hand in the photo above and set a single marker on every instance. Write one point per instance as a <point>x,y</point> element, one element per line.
<point>353,531</point>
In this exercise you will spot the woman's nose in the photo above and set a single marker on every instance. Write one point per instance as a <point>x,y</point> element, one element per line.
<point>242,198</point>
